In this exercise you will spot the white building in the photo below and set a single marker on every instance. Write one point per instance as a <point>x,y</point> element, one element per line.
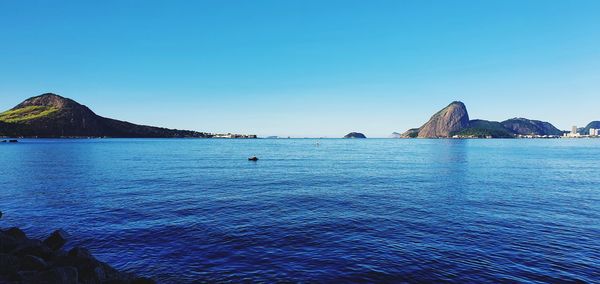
<point>594,132</point>
<point>573,133</point>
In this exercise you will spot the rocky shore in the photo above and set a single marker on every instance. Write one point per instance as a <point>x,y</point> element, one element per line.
<point>27,260</point>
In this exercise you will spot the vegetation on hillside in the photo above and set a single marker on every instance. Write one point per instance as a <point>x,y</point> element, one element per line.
<point>525,126</point>
<point>27,113</point>
<point>484,128</point>
<point>412,133</point>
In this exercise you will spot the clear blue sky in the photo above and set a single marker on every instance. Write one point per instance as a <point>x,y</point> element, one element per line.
<point>306,68</point>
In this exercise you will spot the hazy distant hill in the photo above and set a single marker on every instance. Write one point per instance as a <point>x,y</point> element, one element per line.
<point>395,135</point>
<point>593,124</point>
<point>51,115</point>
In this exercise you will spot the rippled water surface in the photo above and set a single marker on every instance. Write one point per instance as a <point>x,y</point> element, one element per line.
<point>373,210</point>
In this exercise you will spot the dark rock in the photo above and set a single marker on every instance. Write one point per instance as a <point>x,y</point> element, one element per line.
<point>113,274</point>
<point>63,275</point>
<point>27,277</point>
<point>33,247</point>
<point>56,240</point>
<point>117,281</point>
<point>98,274</point>
<point>355,135</point>
<point>32,263</point>
<point>26,260</point>
<point>8,263</point>
<point>79,252</point>
<point>7,243</point>
<point>13,141</point>
<point>89,268</point>
<point>16,233</point>
<point>142,280</point>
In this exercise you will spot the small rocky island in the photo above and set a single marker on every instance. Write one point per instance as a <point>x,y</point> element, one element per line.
<point>52,116</point>
<point>355,135</point>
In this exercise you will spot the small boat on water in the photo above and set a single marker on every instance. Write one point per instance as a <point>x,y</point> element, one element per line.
<point>253,158</point>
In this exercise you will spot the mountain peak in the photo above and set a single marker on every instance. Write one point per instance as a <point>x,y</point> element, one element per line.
<point>53,95</point>
<point>450,119</point>
<point>48,100</point>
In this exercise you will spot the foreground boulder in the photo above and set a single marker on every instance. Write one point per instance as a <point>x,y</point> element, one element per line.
<point>32,263</point>
<point>25,260</point>
<point>56,240</point>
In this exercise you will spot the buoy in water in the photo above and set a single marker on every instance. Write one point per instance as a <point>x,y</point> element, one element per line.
<point>253,158</point>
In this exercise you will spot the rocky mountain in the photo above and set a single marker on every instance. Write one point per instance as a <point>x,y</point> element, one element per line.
<point>50,115</point>
<point>523,126</point>
<point>450,119</point>
<point>355,135</point>
<point>453,120</point>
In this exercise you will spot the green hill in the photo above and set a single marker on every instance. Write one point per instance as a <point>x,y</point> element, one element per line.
<point>483,128</point>
<point>51,115</point>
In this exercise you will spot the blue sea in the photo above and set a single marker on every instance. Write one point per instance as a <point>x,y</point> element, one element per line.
<point>316,210</point>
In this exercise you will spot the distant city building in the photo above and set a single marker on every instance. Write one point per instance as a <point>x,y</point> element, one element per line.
<point>573,133</point>
<point>594,132</point>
